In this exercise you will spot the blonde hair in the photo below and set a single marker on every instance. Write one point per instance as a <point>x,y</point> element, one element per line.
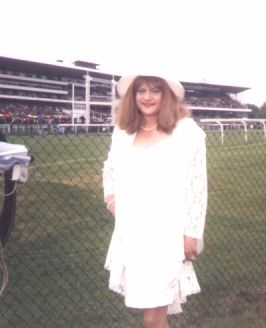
<point>129,117</point>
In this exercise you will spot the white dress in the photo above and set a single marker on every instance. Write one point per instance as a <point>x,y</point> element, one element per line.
<point>160,196</point>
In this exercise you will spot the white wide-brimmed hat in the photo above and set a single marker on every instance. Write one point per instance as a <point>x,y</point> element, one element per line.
<point>124,83</point>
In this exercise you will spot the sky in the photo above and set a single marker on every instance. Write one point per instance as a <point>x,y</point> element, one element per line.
<point>212,41</point>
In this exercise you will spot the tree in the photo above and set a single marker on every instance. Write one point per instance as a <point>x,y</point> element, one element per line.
<point>262,112</point>
<point>255,111</point>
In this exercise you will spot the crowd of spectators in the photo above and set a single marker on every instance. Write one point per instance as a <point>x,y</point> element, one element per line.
<point>217,101</point>
<point>31,113</point>
<point>22,113</point>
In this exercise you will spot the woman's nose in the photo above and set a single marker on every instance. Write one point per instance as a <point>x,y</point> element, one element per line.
<point>147,94</point>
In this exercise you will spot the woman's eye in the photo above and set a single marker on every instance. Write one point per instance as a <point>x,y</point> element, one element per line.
<point>155,90</point>
<point>152,90</point>
<point>141,90</point>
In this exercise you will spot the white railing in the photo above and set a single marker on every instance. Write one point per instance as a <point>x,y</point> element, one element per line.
<point>87,128</point>
<point>235,123</point>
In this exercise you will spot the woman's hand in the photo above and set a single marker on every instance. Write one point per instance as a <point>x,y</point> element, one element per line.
<point>111,207</point>
<point>190,247</point>
<point>110,204</point>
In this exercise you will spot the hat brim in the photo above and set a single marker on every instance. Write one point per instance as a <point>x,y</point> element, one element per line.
<point>124,83</point>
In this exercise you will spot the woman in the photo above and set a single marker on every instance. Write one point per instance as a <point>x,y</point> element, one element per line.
<point>155,184</point>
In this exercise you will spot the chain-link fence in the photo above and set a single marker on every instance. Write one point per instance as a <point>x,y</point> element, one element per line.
<point>57,248</point>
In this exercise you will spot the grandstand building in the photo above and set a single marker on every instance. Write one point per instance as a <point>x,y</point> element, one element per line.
<point>37,92</point>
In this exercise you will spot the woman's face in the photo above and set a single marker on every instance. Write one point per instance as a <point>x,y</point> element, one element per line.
<point>148,99</point>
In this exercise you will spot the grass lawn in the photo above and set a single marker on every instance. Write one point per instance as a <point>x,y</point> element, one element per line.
<point>57,248</point>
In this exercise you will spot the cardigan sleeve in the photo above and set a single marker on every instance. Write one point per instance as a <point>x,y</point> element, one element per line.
<point>108,168</point>
<point>120,140</point>
<point>196,191</point>
<point>108,176</point>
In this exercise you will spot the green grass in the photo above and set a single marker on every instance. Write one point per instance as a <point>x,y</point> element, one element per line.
<point>56,252</point>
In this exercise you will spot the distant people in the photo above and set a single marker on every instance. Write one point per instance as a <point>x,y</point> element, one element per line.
<point>155,185</point>
<point>82,119</point>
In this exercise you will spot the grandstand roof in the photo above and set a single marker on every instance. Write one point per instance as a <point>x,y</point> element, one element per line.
<point>59,68</point>
<point>213,87</point>
<point>79,68</point>
<point>85,64</point>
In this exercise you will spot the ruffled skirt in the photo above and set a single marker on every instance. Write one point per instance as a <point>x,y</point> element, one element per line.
<point>149,288</point>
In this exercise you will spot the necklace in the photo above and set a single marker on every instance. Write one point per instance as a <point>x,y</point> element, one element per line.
<point>149,129</point>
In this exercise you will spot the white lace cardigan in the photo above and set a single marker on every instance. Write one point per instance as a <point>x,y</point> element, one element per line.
<point>191,138</point>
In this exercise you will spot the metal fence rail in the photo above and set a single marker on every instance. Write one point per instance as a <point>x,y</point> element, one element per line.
<point>57,248</point>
